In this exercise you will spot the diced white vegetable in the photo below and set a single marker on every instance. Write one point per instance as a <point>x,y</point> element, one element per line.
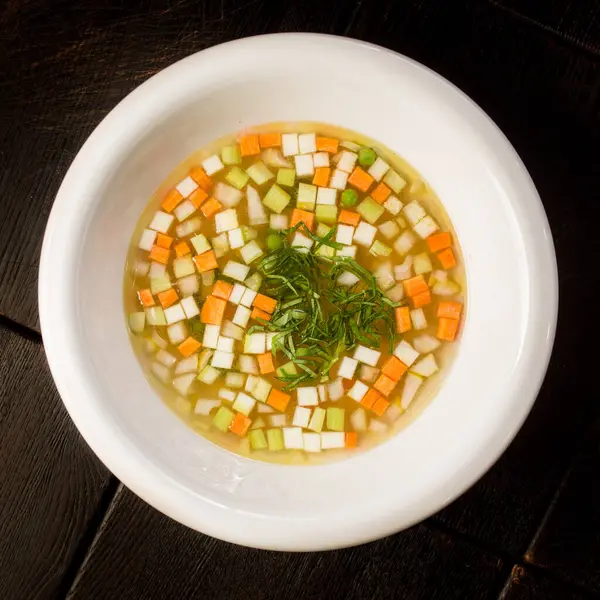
<point>332,439</point>
<point>147,239</point>
<point>384,274</point>
<point>225,344</point>
<point>335,389</point>
<point>358,419</point>
<point>220,244</point>
<point>159,284</point>
<point>161,221</point>
<point>190,308</point>
<point>243,403</point>
<point>347,368</point>
<point>301,416</point>
<point>254,343</point>
<point>317,420</point>
<point>212,164</point>
<point>248,364</point>
<point>378,169</point>
<point>312,442</point>
<point>159,341</point>
<point>137,321</point>
<point>174,313</point>
<point>422,263</point>
<point>141,267</point>
<point>235,238</point>
<point>426,367</point>
<point>161,371</point>
<point>358,390</point>
<point>290,144</point>
<point>209,375</point>
<point>254,281</point>
<point>389,229</point>
<point>307,195</point>
<point>308,396</point>
<point>188,227</point>
<point>226,220</point>
<point>204,358</point>
<point>321,159</point>
<point>203,407</point>
<point>326,196</point>
<point>274,158</point>
<point>406,353</point>
<point>242,316</point>
<point>353,146</point>
<point>394,181</point>
<point>412,383</point>
<point>208,278</point>
<point>186,186</point>
<point>347,279</point>
<point>302,241</point>
<point>248,298</point>
<point>405,242</point>
<point>393,205</point>
<point>177,333</point>
<point>235,380</point>
<point>304,165</point>
<point>377,426</point>
<point>404,271</point>
<point>211,336</point>
<point>396,293</point>
<point>347,161</point>
<point>445,288</point>
<point>149,347</point>
<point>339,179</point>
<point>251,383</point>
<point>347,251</point>
<point>344,234</point>
<point>165,358</point>
<point>322,390</point>
<point>279,222</point>
<point>256,211</point>
<point>264,408</point>
<point>260,173</point>
<point>227,195</point>
<point>307,143</point>
<point>367,355</point>
<point>270,337</point>
<point>392,413</point>
<point>184,210</point>
<point>183,383</point>
<point>187,365</point>
<point>236,270</point>
<point>262,389</point>
<point>278,420</point>
<point>414,212</point>
<point>425,343</point>
<point>228,395</point>
<point>183,266</point>
<point>417,316</point>
<point>237,293</point>
<point>292,438</point>
<point>425,227</point>
<point>368,374</point>
<point>365,234</point>
<point>251,252</point>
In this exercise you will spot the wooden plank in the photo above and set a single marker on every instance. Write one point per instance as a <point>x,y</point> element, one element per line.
<point>543,94</point>
<point>140,553</point>
<point>524,584</point>
<point>50,483</point>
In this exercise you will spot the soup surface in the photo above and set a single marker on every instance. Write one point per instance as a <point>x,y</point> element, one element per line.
<point>294,292</point>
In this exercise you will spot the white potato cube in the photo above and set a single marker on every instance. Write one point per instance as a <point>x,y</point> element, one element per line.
<point>236,270</point>
<point>321,159</point>
<point>254,343</point>
<point>414,212</point>
<point>393,205</point>
<point>174,313</point>
<point>394,181</point>
<point>425,343</point>
<point>147,240</point>
<point>225,344</point>
<point>183,267</point>
<point>347,251</point>
<point>312,442</point>
<point>365,234</point>
<point>344,234</point>
<point>389,229</point>
<point>211,336</point>
<point>304,165</point>
<point>326,196</point>
<point>212,164</point>
<point>347,279</point>
<point>405,242</point>
<point>184,210</point>
<point>235,380</point>
<point>248,297</point>
<point>332,439</point>
<point>396,293</point>
<point>242,316</point>
<point>183,383</point>
<point>339,179</point>
<point>177,333</point>
<point>222,360</point>
<point>358,419</point>
<point>161,221</point>
<point>302,241</point>
<point>290,144</point>
<point>163,373</point>
<point>425,227</point>
<point>406,353</point>
<point>235,238</point>
<point>237,293</point>
<point>190,308</point>
<point>378,169</point>
<point>292,438</point>
<point>417,316</point>
<point>165,358</point>
<point>347,160</point>
<point>220,244</point>
<point>426,367</point>
<point>187,365</point>
<point>367,355</point>
<point>278,420</point>
<point>358,390</point>
<point>251,252</point>
<point>186,186</point>
<point>226,220</point>
<point>279,222</point>
<point>335,389</point>
<point>228,395</point>
<point>270,337</point>
<point>301,416</point>
<point>322,390</point>
<point>307,143</point>
<point>308,396</point>
<point>347,368</point>
<point>262,389</point>
<point>227,195</point>
<point>243,403</point>
<point>412,383</point>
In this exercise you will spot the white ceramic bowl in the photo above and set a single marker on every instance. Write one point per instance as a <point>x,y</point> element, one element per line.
<point>511,271</point>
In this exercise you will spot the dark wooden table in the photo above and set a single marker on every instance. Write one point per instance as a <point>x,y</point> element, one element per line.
<point>530,529</point>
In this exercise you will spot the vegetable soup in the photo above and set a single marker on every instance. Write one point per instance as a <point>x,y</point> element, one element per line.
<point>295,292</point>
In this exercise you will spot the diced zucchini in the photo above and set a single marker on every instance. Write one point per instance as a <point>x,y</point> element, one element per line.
<point>249,233</point>
<point>204,406</point>
<point>389,229</point>
<point>276,199</point>
<point>244,403</point>
<point>289,368</point>
<point>208,375</point>
<point>250,252</point>
<point>183,266</point>
<point>223,419</point>
<point>326,213</point>
<point>155,316</point>
<point>258,423</point>
<point>235,380</point>
<point>137,321</point>
<point>220,245</point>
<point>335,418</point>
<point>258,440</point>
<point>248,364</point>
<point>286,177</point>
<point>422,263</point>
<point>260,173</point>
<point>394,181</point>
<point>380,249</point>
<point>405,242</point>
<point>275,440</point>
<point>159,284</point>
<point>183,383</point>
<point>445,288</point>
<point>237,178</point>
<point>317,419</point>
<point>425,227</point>
<point>254,281</point>
<point>262,389</point>
<point>370,210</point>
<point>322,229</point>
<point>326,251</point>
<point>231,155</point>
<point>307,196</point>
<point>236,270</point>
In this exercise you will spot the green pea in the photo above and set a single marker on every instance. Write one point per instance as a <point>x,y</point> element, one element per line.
<point>274,242</point>
<point>349,197</point>
<point>366,157</point>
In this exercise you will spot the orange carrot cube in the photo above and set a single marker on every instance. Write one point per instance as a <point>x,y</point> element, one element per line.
<point>449,310</point>
<point>269,140</point>
<point>403,322</point>
<point>211,207</point>
<point>265,363</point>
<point>370,398</point>
<point>168,297</point>
<point>447,329</point>
<point>446,258</point>
<point>240,424</point>
<point>415,285</point>
<point>421,299</point>
<point>385,385</point>
<point>182,249</point>
<point>381,193</point>
<point>350,439</point>
<point>349,217</point>
<point>306,217</point>
<point>380,406</point>
<point>260,314</point>
<point>321,177</point>
<point>249,145</point>
<point>159,254</point>
<point>439,241</point>
<point>278,399</point>
<point>222,289</point>
<point>197,197</point>
<point>198,174</point>
<point>213,310</point>
<point>360,179</point>
<point>146,298</point>
<point>394,368</point>
<point>206,261</point>
<point>265,303</point>
<point>325,144</point>
<point>171,200</point>
<point>164,241</point>
<point>189,346</point>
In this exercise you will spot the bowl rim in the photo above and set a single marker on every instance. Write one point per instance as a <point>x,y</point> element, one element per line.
<point>151,484</point>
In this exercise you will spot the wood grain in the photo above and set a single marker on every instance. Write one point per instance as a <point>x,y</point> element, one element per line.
<point>50,483</point>
<point>140,553</point>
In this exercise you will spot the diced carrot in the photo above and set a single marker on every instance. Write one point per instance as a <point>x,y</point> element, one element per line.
<point>403,322</point>
<point>197,197</point>
<point>240,424</point>
<point>265,363</point>
<point>348,217</point>
<point>350,439</point>
<point>415,285</point>
<point>446,258</point>
<point>449,309</point>
<point>146,298</point>
<point>159,254</point>
<point>198,174</point>
<point>213,310</point>
<point>168,297</point>
<point>164,241</point>
<point>321,177</point>
<point>306,217</point>
<point>360,179</point>
<point>385,385</point>
<point>370,398</point>
<point>211,207</point>
<point>265,303</point>
<point>206,261</point>
<point>189,346</point>
<point>278,399</point>
<point>439,241</point>
<point>380,406</point>
<point>421,299</point>
<point>260,314</point>
<point>325,144</point>
<point>222,289</point>
<point>347,384</point>
<point>249,145</point>
<point>394,368</point>
<point>381,193</point>
<point>447,329</point>
<point>269,140</point>
<point>171,200</point>
<point>182,249</point>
